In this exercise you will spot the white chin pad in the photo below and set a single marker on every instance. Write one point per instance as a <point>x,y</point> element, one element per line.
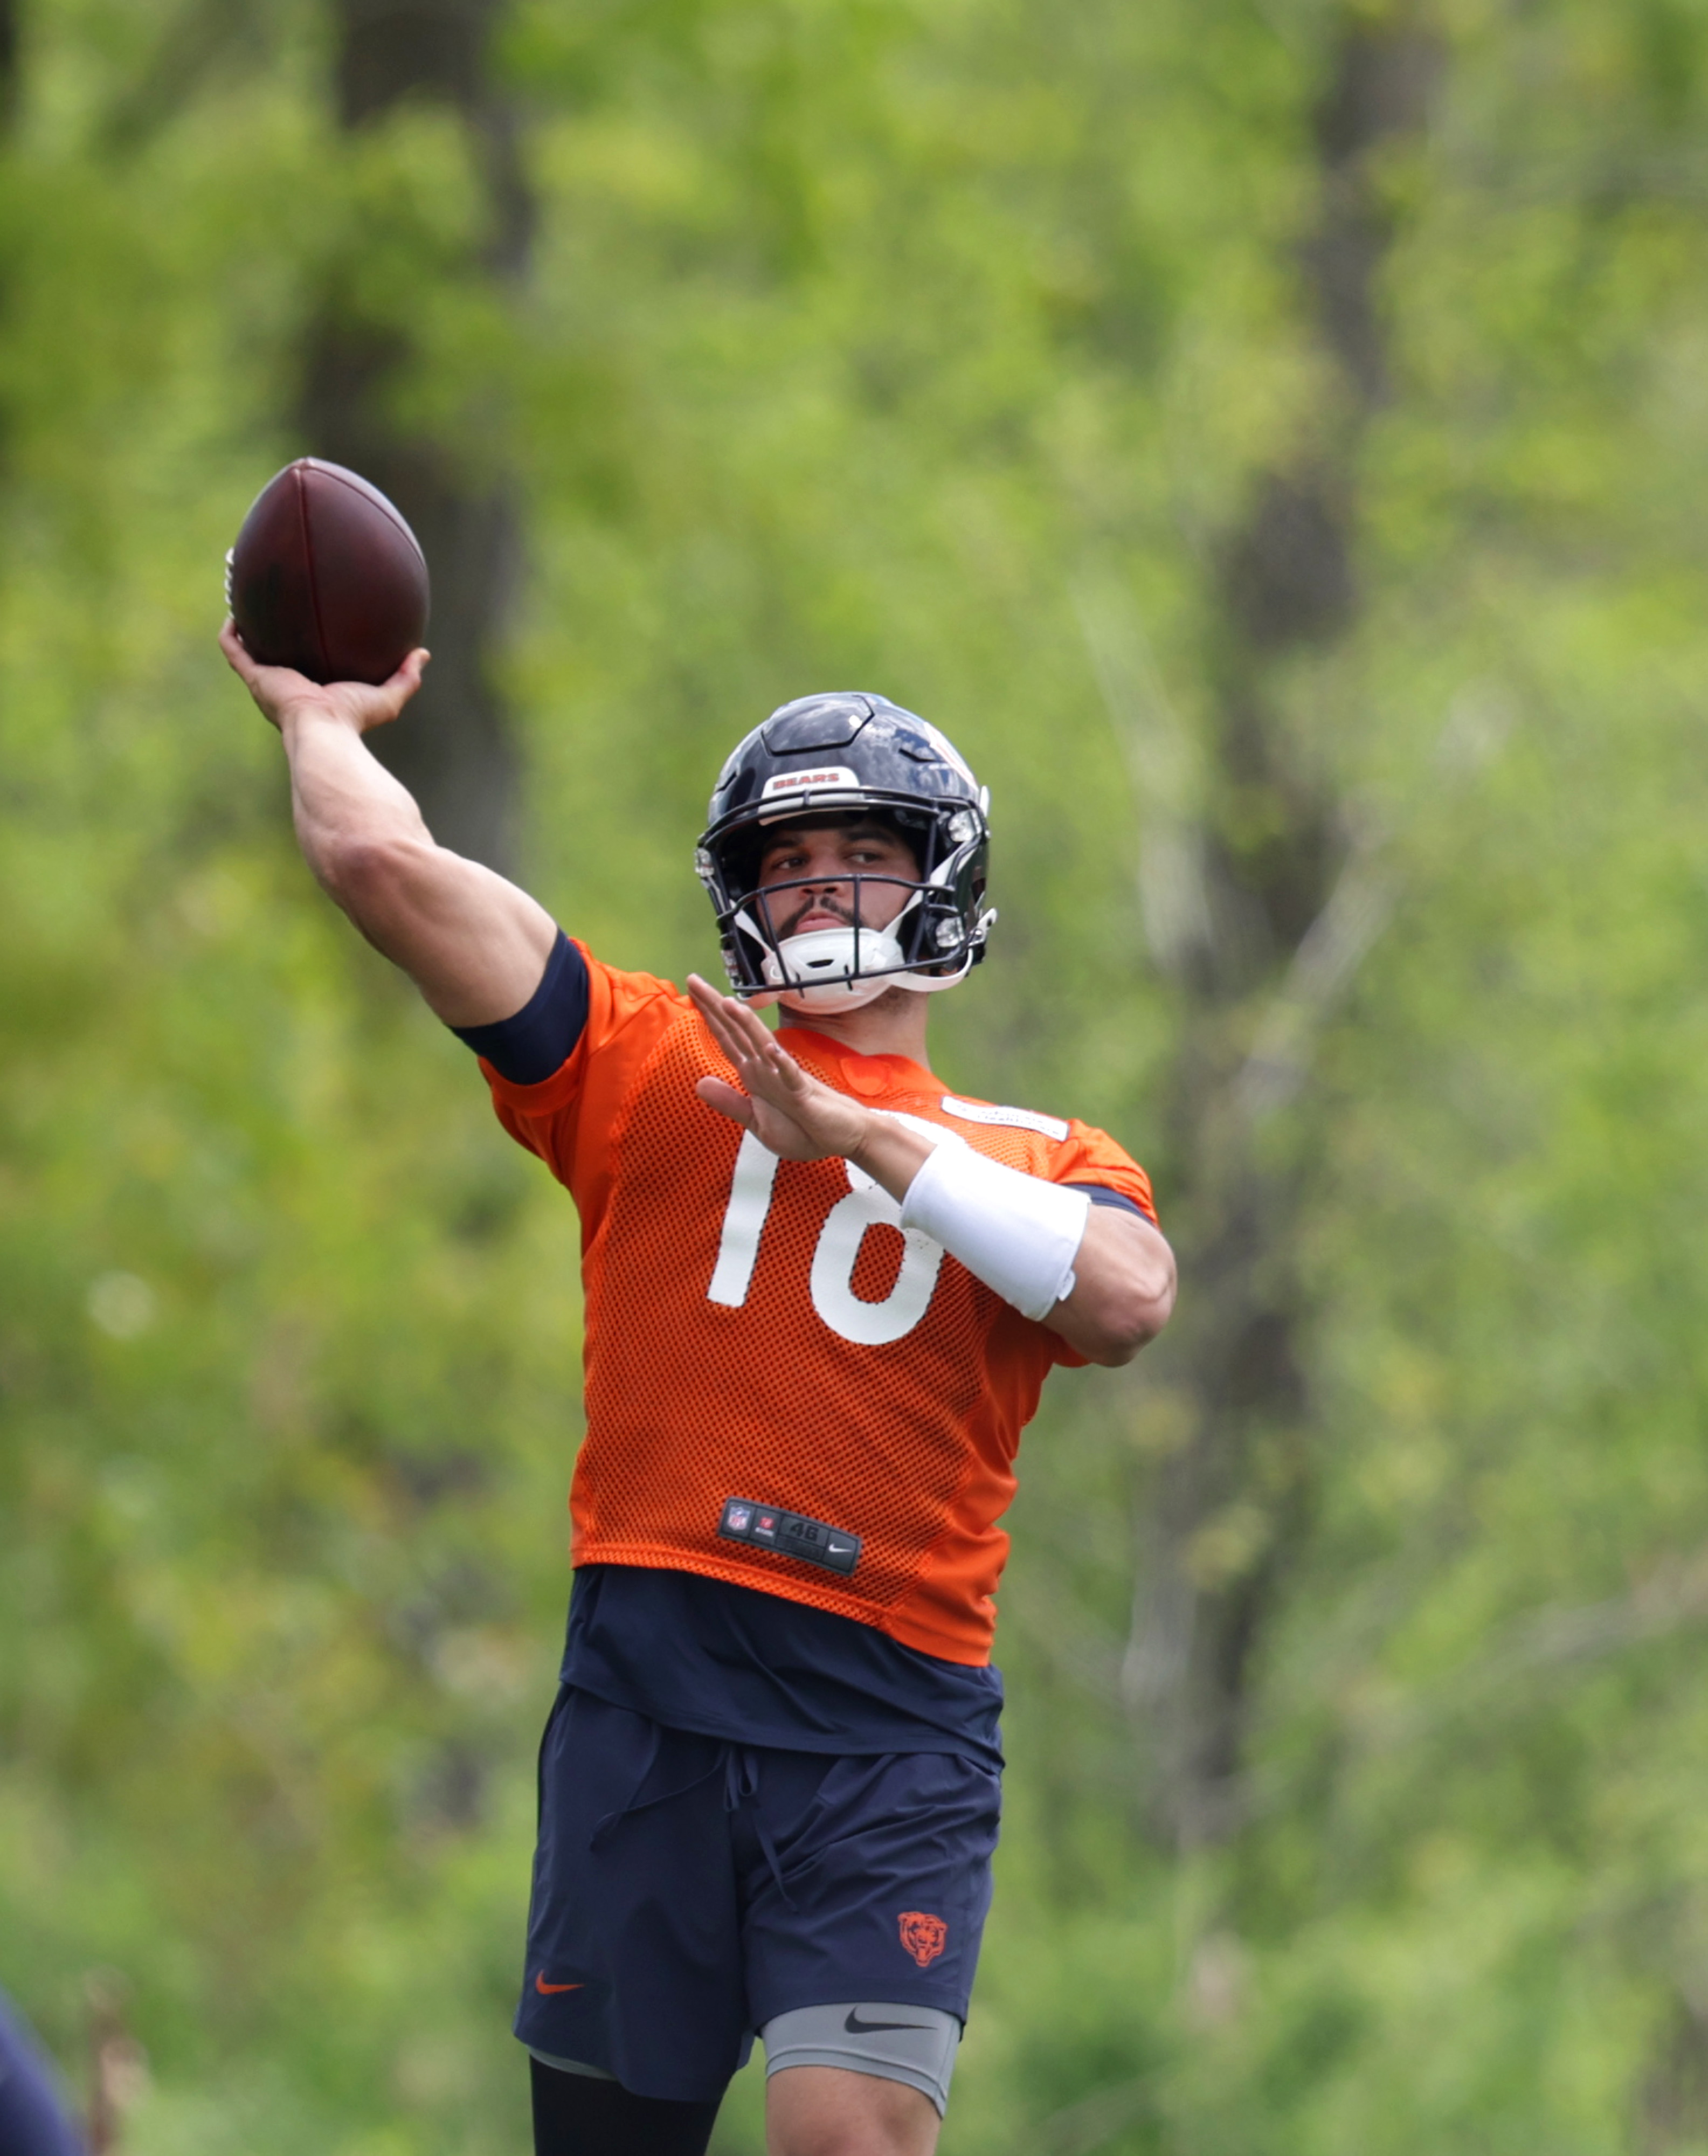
<point>817,969</point>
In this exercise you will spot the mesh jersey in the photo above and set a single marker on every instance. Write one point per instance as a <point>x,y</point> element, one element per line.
<point>763,1329</point>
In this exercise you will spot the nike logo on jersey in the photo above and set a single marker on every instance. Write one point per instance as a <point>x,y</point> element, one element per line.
<point>856,2027</point>
<point>547,1990</point>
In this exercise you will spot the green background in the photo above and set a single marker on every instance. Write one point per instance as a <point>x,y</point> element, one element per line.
<point>950,349</point>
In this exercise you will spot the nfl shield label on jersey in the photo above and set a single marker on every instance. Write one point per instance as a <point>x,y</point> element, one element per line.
<point>767,1527</point>
<point>765,1328</point>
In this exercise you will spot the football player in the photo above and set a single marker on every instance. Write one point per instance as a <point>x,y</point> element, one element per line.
<point>822,1290</point>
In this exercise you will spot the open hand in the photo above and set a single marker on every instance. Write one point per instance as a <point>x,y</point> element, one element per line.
<point>281,690</point>
<point>788,1110</point>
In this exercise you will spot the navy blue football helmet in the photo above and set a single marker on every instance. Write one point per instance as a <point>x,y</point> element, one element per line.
<point>847,752</point>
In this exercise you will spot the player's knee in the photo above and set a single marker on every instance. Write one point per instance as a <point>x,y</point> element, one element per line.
<point>858,2080</point>
<point>827,2111</point>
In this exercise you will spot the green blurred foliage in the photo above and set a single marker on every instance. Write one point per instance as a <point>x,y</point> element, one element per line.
<point>869,342</point>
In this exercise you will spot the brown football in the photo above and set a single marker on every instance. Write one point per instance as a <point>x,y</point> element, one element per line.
<point>327,577</point>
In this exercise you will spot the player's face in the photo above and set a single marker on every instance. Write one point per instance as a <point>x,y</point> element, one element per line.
<point>831,868</point>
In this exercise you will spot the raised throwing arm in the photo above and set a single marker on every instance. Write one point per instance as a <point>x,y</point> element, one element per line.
<point>473,944</point>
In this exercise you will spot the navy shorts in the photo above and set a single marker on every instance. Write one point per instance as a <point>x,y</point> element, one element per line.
<point>686,1889</point>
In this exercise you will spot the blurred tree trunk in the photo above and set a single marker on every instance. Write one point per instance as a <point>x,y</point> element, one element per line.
<point>1274,862</point>
<point>454,750</point>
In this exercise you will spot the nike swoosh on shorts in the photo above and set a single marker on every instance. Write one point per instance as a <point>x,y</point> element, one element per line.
<point>856,2027</point>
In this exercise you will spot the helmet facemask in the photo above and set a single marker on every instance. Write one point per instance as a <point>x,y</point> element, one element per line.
<point>931,942</point>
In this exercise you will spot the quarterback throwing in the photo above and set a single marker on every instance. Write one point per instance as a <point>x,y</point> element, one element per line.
<point>823,1291</point>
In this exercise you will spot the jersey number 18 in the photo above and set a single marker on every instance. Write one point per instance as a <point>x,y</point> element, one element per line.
<point>866,1206</point>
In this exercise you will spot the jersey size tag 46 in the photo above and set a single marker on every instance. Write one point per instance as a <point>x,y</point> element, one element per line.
<point>767,1526</point>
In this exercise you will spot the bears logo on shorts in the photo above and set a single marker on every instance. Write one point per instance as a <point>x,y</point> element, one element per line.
<point>924,1936</point>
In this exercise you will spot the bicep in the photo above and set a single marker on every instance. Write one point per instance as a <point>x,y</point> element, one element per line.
<point>474,943</point>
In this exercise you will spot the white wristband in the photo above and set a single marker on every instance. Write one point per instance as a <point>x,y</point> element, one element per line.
<point>1017,1232</point>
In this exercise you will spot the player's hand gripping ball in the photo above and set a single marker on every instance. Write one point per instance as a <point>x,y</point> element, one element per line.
<point>327,577</point>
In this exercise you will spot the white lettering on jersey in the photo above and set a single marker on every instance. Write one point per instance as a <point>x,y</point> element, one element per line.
<point>870,1324</point>
<point>750,1186</point>
<point>866,1324</point>
<point>1016,1119</point>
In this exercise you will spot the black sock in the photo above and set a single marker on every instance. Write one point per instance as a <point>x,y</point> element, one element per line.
<point>574,2115</point>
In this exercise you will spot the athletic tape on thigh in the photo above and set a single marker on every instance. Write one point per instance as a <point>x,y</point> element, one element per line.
<point>912,2044</point>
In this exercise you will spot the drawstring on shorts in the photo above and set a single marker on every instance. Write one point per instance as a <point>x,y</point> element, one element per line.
<point>740,1765</point>
<point>740,1788</point>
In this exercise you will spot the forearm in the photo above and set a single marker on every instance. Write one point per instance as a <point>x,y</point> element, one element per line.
<point>473,943</point>
<point>344,803</point>
<point>890,1152</point>
<point>1121,1268</point>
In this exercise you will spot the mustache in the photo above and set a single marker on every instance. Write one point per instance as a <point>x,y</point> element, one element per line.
<point>785,909</point>
<point>815,902</point>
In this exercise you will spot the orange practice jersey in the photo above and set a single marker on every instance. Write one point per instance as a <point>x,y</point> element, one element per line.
<point>764,1330</point>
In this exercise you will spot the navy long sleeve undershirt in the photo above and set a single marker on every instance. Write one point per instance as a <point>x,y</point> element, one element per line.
<point>541,1037</point>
